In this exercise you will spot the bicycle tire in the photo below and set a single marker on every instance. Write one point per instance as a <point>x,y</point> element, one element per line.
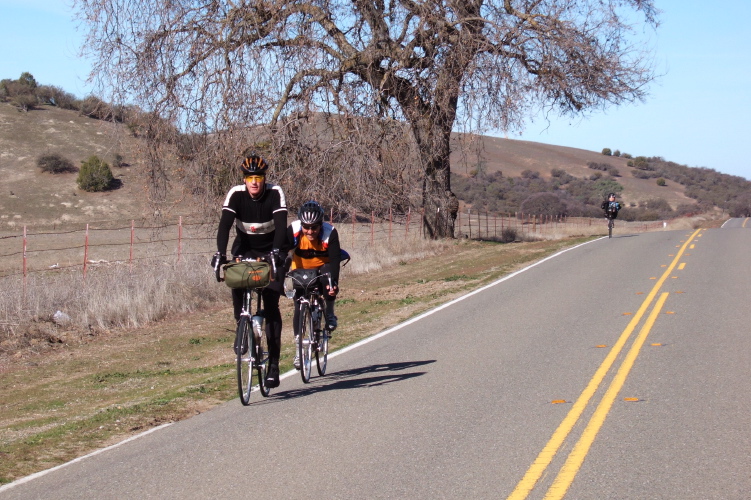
<point>322,351</point>
<point>610,228</point>
<point>262,362</point>
<point>305,345</point>
<point>244,359</point>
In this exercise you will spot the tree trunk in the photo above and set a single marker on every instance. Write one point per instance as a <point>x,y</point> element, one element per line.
<point>437,200</point>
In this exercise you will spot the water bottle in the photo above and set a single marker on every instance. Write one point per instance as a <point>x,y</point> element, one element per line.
<point>289,288</point>
<point>257,322</point>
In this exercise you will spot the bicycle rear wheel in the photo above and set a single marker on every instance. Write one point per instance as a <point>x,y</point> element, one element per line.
<point>305,345</point>
<point>244,359</point>
<point>262,361</point>
<point>322,352</point>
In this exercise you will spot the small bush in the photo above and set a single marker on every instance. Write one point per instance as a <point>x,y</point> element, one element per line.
<point>616,153</point>
<point>508,235</point>
<point>94,107</point>
<point>543,204</point>
<point>644,174</point>
<point>24,102</point>
<point>95,175</point>
<point>55,164</point>
<point>607,152</point>
<point>55,96</point>
<point>661,182</point>
<point>641,163</point>
<point>557,172</point>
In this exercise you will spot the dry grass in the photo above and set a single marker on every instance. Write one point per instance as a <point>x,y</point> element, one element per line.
<point>117,295</point>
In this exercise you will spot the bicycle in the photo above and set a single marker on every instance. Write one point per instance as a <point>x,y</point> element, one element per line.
<point>312,336</point>
<point>252,351</point>
<point>611,224</point>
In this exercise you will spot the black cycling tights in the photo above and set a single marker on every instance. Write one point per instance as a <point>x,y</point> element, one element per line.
<point>273,319</point>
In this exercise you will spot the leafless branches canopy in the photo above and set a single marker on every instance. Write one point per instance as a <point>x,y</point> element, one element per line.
<point>404,71</point>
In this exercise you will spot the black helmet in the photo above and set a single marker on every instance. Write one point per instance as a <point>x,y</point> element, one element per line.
<point>611,194</point>
<point>310,212</point>
<point>254,164</point>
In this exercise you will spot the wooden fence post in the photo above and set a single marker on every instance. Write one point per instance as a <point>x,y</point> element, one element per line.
<point>390,222</point>
<point>132,233</point>
<point>85,251</point>
<point>458,223</point>
<point>24,265</point>
<point>179,238</point>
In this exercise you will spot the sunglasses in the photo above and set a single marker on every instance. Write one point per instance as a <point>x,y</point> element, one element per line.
<point>310,227</point>
<point>254,178</point>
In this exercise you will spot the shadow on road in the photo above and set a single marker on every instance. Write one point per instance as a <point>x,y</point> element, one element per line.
<point>356,378</point>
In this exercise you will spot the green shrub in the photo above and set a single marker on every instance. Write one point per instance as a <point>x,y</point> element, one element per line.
<point>55,96</point>
<point>616,153</point>
<point>28,80</point>
<point>95,175</point>
<point>607,152</point>
<point>24,102</point>
<point>641,163</point>
<point>55,164</point>
<point>661,182</point>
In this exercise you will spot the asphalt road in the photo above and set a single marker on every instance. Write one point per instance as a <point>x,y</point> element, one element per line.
<point>615,370</point>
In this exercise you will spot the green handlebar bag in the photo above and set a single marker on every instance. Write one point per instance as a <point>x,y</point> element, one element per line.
<point>247,274</point>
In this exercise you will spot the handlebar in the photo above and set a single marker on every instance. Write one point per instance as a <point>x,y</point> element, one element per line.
<point>268,258</point>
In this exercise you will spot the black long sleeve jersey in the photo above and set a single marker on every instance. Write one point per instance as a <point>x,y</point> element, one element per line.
<point>256,221</point>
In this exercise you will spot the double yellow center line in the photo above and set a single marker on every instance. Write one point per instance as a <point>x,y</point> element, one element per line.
<point>575,459</point>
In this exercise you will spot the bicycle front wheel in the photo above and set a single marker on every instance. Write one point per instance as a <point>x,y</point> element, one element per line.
<point>610,228</point>
<point>262,361</point>
<point>244,359</point>
<point>305,345</point>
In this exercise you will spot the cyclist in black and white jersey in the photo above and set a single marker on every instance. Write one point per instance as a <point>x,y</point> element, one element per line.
<point>611,207</point>
<point>258,211</point>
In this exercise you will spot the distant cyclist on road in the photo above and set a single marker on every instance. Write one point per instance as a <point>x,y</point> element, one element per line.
<point>258,211</point>
<point>315,245</point>
<point>611,207</point>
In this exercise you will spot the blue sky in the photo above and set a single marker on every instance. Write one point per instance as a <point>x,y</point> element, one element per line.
<point>697,114</point>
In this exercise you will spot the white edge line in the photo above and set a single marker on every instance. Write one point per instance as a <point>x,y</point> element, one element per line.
<point>97,452</point>
<point>449,303</point>
<point>332,355</point>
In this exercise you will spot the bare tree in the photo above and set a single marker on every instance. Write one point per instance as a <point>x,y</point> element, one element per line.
<point>436,66</point>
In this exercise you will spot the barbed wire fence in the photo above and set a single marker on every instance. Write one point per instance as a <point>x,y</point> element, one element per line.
<point>111,242</point>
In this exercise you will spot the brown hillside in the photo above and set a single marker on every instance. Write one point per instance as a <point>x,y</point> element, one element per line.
<point>512,157</point>
<point>29,196</point>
